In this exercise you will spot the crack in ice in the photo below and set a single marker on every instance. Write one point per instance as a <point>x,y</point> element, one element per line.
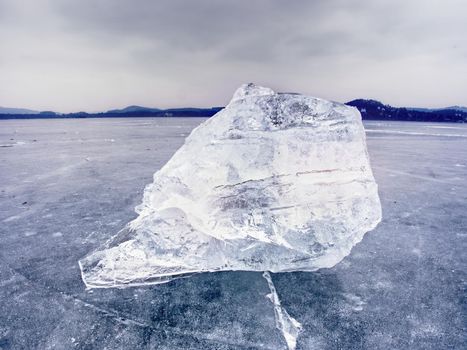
<point>288,325</point>
<point>421,177</point>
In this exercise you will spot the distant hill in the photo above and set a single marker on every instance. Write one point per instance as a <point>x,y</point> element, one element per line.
<point>456,108</point>
<point>6,110</point>
<point>132,109</point>
<point>127,112</point>
<point>375,110</point>
<point>370,110</point>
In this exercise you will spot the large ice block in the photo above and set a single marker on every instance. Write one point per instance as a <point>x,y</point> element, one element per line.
<point>273,182</point>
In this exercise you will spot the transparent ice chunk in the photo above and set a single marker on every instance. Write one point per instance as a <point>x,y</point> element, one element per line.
<point>273,182</point>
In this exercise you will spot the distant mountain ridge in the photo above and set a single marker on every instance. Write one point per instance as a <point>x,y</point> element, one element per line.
<point>131,109</point>
<point>456,108</point>
<point>8,110</point>
<point>375,110</point>
<point>369,109</point>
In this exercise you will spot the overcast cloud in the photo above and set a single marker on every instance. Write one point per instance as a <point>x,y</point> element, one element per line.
<point>95,55</point>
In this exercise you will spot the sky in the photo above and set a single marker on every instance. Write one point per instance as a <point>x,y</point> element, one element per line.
<point>95,55</point>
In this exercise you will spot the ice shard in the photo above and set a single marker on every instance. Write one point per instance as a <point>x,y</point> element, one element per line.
<point>273,182</point>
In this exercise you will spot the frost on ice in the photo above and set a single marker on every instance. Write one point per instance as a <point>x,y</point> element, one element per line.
<point>273,182</point>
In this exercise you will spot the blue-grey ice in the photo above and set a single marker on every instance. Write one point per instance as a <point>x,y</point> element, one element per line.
<point>401,287</point>
<point>273,182</point>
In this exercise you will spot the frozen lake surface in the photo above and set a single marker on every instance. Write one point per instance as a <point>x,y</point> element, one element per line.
<point>69,185</point>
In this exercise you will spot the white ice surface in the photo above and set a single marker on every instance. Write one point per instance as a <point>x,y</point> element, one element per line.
<point>273,182</point>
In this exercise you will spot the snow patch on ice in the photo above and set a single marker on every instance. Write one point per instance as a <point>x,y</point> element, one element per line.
<point>11,144</point>
<point>356,302</point>
<point>417,252</point>
<point>12,218</point>
<point>383,285</point>
<point>379,131</point>
<point>443,127</point>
